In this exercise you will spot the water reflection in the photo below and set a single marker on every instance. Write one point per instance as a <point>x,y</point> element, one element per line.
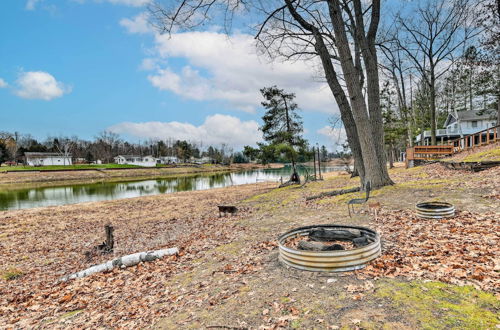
<point>48,196</point>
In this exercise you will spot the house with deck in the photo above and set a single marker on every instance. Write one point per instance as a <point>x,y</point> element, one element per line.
<point>47,158</point>
<point>146,161</point>
<point>460,124</point>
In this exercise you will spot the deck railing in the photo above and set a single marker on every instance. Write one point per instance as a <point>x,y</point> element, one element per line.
<point>484,137</point>
<point>428,152</point>
<point>481,138</point>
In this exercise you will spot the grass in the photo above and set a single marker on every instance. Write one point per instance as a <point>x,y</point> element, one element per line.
<point>436,305</point>
<point>489,155</point>
<point>11,273</point>
<point>66,167</point>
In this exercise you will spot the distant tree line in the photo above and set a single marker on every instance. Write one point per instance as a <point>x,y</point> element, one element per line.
<point>107,145</point>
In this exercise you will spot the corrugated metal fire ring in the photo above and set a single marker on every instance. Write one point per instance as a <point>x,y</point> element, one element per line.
<point>435,210</point>
<point>329,261</point>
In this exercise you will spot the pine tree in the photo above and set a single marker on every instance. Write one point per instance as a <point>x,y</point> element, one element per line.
<point>282,124</point>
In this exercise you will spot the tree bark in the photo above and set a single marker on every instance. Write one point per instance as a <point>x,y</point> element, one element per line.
<point>369,133</point>
<point>433,106</point>
<point>367,46</point>
<point>338,92</point>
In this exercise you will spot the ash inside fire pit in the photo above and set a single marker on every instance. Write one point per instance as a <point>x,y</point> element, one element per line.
<point>330,248</point>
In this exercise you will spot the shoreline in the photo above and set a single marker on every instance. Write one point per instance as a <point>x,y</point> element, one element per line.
<point>25,180</point>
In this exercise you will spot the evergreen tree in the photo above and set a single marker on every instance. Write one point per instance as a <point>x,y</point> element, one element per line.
<point>282,124</point>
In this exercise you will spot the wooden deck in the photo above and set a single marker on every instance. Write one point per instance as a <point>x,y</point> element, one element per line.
<point>481,138</point>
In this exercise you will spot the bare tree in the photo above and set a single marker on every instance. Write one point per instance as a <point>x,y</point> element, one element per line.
<point>319,31</point>
<point>398,69</point>
<point>431,35</point>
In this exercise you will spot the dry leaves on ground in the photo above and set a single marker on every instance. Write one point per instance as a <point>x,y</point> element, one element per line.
<point>461,250</point>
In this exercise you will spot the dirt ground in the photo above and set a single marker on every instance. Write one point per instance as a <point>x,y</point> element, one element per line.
<point>432,274</point>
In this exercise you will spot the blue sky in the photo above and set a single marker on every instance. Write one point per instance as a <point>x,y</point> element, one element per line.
<point>78,67</point>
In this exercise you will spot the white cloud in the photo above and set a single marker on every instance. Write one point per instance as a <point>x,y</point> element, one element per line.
<point>39,85</point>
<point>31,4</point>
<point>228,69</point>
<point>149,64</point>
<point>216,129</point>
<point>3,83</point>
<point>336,135</point>
<point>138,24</point>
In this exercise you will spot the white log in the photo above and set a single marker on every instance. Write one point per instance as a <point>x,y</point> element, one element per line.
<point>122,262</point>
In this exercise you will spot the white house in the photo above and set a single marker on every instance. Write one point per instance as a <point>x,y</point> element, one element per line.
<point>169,160</point>
<point>47,158</point>
<point>464,123</point>
<point>146,161</point>
<point>203,160</point>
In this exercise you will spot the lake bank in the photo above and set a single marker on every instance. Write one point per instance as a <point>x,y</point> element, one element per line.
<point>47,194</point>
<point>14,180</point>
<point>227,273</point>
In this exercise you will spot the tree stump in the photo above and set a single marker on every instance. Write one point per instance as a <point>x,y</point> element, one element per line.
<point>108,245</point>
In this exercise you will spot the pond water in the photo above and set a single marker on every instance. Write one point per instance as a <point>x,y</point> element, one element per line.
<point>72,194</point>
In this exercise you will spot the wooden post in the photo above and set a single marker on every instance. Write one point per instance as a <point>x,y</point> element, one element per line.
<point>314,156</point>
<point>488,136</point>
<point>319,165</point>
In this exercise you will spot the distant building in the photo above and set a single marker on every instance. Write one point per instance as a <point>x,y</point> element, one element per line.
<point>169,160</point>
<point>46,159</point>
<point>205,160</point>
<point>146,161</point>
<point>468,122</point>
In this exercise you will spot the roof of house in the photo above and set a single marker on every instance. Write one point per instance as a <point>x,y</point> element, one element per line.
<point>45,154</point>
<point>129,156</point>
<point>470,115</point>
<point>132,156</point>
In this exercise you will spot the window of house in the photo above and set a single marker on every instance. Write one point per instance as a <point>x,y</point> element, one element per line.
<point>474,123</point>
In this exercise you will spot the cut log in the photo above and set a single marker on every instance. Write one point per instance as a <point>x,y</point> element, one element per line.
<point>316,246</point>
<point>333,193</point>
<point>323,235</point>
<point>360,241</point>
<point>311,246</point>
<point>122,262</point>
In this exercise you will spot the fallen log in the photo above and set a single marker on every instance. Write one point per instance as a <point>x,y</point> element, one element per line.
<point>315,246</point>
<point>122,262</point>
<point>333,193</point>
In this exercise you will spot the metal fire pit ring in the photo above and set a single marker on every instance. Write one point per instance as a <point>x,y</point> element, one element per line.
<point>329,261</point>
<point>435,210</point>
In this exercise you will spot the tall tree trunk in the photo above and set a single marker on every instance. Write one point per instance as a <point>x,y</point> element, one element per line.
<point>391,156</point>
<point>368,50</point>
<point>370,135</point>
<point>432,86</point>
<point>338,92</point>
<point>403,109</point>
